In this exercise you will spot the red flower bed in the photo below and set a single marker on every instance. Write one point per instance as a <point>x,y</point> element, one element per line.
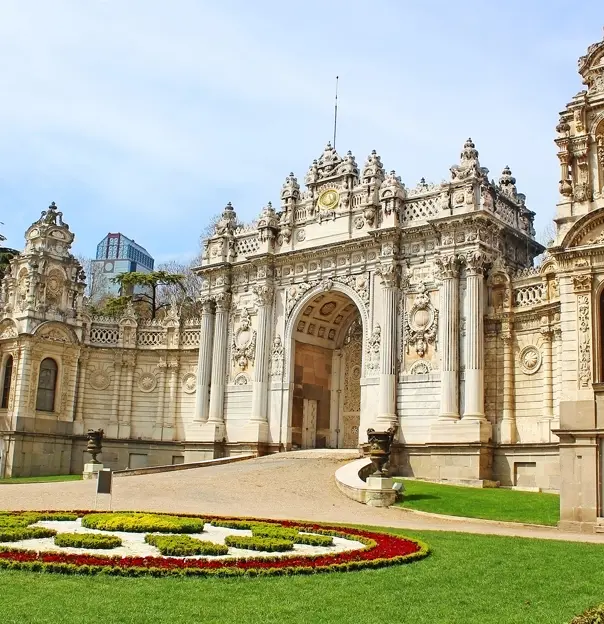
<point>380,550</point>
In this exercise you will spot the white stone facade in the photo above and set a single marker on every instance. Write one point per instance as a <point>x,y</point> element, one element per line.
<point>357,303</point>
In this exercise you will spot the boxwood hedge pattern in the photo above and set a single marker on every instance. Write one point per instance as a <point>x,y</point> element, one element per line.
<point>380,550</point>
<point>184,545</point>
<point>135,522</point>
<point>87,540</point>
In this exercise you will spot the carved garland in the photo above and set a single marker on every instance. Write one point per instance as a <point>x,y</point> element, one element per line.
<point>584,341</point>
<point>372,367</point>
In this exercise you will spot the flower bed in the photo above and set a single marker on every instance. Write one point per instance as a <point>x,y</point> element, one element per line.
<point>16,534</point>
<point>184,545</point>
<point>87,540</point>
<point>379,550</point>
<point>293,535</point>
<point>142,523</point>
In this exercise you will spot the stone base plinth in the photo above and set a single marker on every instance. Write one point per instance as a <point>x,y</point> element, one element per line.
<point>91,470</point>
<point>379,492</point>
<point>465,430</point>
<point>212,432</point>
<point>256,431</point>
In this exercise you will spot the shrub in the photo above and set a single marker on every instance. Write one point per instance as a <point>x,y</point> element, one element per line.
<point>16,534</point>
<point>265,544</point>
<point>279,532</point>
<point>184,545</point>
<point>142,523</point>
<point>25,519</point>
<point>87,540</point>
<point>235,524</point>
<point>593,615</point>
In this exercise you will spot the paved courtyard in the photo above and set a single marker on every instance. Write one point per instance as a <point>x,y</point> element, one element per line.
<point>298,485</point>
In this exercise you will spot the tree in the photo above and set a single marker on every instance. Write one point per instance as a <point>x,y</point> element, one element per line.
<point>97,281</point>
<point>186,294</point>
<point>150,283</point>
<point>6,255</point>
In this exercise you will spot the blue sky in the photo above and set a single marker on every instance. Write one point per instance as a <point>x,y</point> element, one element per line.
<point>146,117</point>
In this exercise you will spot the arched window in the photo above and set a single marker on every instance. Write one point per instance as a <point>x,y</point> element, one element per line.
<point>47,384</point>
<point>8,375</point>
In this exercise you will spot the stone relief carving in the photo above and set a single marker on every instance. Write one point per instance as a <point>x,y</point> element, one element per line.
<point>530,360</point>
<point>359,283</point>
<point>582,283</point>
<point>421,367</point>
<point>277,356</point>
<point>584,341</point>
<point>421,323</point>
<point>373,352</point>
<point>244,342</point>
<point>99,378</point>
<point>189,383</point>
<point>241,379</point>
<point>147,382</point>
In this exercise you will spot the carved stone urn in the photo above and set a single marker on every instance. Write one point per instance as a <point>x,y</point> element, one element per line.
<point>379,449</point>
<point>95,444</point>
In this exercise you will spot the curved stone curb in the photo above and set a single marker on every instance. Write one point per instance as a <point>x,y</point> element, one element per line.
<point>349,482</point>
<point>483,521</point>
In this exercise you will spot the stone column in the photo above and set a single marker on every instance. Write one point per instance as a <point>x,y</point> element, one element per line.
<point>25,378</point>
<point>508,422</point>
<point>548,384</point>
<point>125,413</point>
<point>78,425</point>
<point>204,360</point>
<point>264,299</point>
<point>216,413</point>
<point>474,385</point>
<point>162,366</point>
<point>449,341</point>
<point>389,276</point>
<point>170,422</point>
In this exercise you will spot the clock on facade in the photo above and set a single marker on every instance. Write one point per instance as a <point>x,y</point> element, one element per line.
<point>108,267</point>
<point>329,199</point>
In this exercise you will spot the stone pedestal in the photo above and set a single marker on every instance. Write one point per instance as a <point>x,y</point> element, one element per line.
<point>380,492</point>
<point>91,470</point>
<point>461,431</point>
<point>212,431</point>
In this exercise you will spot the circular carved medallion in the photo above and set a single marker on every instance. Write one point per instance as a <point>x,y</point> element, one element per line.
<point>189,383</point>
<point>147,382</point>
<point>99,380</point>
<point>329,199</point>
<point>300,235</point>
<point>530,360</point>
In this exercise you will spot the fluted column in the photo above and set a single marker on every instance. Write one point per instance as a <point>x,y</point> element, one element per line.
<point>204,360</point>
<point>389,276</point>
<point>81,380</point>
<point>508,421</point>
<point>449,328</point>
<point>264,300</point>
<point>223,304</point>
<point>474,382</point>
<point>548,384</point>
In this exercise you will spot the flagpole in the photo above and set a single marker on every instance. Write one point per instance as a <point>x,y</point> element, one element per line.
<point>335,115</point>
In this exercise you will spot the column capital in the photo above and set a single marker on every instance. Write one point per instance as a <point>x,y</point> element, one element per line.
<point>476,262</point>
<point>447,267</point>
<point>263,294</point>
<point>222,301</point>
<point>207,304</point>
<point>389,274</point>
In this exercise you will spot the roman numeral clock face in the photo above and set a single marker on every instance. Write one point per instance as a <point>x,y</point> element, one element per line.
<point>329,199</point>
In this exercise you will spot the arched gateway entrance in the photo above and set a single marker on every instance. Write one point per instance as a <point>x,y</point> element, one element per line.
<point>326,371</point>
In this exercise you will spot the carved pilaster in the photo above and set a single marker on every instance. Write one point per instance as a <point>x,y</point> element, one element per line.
<point>204,360</point>
<point>508,421</point>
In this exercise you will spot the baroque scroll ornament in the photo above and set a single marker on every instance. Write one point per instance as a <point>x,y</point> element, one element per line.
<point>244,342</point>
<point>373,352</point>
<point>421,323</point>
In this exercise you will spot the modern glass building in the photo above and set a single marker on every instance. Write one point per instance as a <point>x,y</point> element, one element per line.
<point>117,254</point>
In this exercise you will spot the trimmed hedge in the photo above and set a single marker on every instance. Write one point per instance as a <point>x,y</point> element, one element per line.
<point>16,534</point>
<point>593,615</point>
<point>184,545</point>
<point>241,525</point>
<point>19,519</point>
<point>87,540</point>
<point>265,544</point>
<point>143,523</point>
<point>278,532</point>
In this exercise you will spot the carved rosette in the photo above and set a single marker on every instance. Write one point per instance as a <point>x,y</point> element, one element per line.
<point>530,360</point>
<point>421,323</point>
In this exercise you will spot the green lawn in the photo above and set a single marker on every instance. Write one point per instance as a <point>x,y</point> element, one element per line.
<point>72,477</point>
<point>468,579</point>
<point>488,503</point>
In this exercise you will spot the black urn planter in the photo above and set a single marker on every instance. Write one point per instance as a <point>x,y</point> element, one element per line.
<point>95,444</point>
<point>379,449</point>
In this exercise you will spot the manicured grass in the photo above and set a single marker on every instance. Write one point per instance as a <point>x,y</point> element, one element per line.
<point>72,477</point>
<point>486,503</point>
<point>468,579</point>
